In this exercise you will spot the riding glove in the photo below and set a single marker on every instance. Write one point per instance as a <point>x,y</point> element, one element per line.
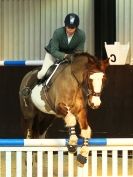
<point>68,57</point>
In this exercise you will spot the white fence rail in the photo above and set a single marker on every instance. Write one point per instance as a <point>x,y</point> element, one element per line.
<point>48,161</point>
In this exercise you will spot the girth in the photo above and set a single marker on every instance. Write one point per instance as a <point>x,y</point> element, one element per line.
<point>47,98</point>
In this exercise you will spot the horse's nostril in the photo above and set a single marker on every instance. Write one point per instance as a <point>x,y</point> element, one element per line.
<point>95,107</point>
<point>91,105</point>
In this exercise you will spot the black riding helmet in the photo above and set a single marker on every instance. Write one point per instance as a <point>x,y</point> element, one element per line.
<point>71,20</point>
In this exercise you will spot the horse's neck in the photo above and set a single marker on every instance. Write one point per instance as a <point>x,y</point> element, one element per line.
<point>78,68</point>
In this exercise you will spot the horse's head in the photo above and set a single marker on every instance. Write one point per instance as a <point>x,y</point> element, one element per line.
<point>93,72</point>
<point>96,80</point>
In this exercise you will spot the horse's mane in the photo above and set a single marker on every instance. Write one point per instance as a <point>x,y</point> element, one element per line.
<point>92,63</point>
<point>91,58</point>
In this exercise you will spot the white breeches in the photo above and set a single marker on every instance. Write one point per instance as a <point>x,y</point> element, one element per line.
<point>48,61</point>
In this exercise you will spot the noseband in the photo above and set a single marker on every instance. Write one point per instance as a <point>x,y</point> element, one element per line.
<point>92,93</point>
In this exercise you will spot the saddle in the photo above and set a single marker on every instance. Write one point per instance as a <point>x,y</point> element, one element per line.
<point>31,78</point>
<point>51,71</point>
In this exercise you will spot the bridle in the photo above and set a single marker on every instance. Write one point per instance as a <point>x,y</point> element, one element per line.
<point>91,91</point>
<point>88,90</point>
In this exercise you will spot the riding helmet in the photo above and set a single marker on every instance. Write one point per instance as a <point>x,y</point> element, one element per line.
<point>71,20</point>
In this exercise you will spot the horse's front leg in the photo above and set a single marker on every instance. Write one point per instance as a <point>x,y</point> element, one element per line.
<point>70,121</point>
<point>86,134</point>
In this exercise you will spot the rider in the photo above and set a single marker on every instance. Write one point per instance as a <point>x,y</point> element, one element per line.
<point>65,41</point>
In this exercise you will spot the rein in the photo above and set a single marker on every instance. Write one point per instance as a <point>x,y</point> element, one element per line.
<point>80,86</point>
<point>89,91</point>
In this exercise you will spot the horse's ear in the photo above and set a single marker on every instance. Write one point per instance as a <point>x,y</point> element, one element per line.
<point>104,64</point>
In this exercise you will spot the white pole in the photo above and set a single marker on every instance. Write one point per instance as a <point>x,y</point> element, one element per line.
<point>19,164</point>
<point>85,169</point>
<point>60,163</point>
<point>8,164</point>
<point>124,163</point>
<point>70,165</point>
<point>39,164</point>
<point>114,163</point>
<point>50,164</point>
<point>94,163</point>
<point>104,163</point>
<point>29,163</point>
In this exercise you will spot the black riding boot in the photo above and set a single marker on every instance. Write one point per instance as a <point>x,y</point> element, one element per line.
<point>39,81</point>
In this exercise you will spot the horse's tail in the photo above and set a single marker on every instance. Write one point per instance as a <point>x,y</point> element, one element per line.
<point>35,127</point>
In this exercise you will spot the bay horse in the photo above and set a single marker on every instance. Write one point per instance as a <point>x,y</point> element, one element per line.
<point>72,88</point>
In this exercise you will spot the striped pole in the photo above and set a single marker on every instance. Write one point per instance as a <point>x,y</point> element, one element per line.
<point>21,62</point>
<point>63,142</point>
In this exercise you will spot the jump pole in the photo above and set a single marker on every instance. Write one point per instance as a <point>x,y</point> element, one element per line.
<point>63,142</point>
<point>21,62</point>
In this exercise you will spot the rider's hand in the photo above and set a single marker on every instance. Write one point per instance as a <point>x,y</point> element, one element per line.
<point>68,57</point>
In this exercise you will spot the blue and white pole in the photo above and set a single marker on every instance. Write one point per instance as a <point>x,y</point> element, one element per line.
<point>21,63</point>
<point>63,142</point>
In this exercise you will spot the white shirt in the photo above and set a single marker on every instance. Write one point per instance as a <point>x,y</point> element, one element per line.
<point>69,38</point>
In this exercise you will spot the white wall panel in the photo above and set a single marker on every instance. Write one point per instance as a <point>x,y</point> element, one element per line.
<point>20,29</point>
<point>26,26</point>
<point>124,24</point>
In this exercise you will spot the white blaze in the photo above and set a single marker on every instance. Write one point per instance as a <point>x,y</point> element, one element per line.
<point>97,81</point>
<point>36,99</point>
<point>97,85</point>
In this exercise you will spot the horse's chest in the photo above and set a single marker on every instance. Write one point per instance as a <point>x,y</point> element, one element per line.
<point>38,102</point>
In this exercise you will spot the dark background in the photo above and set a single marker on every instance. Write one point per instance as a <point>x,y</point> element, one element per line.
<point>113,119</point>
<point>104,25</point>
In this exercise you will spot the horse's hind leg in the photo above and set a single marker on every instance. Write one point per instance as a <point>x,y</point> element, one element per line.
<point>70,121</point>
<point>86,134</point>
<point>28,131</point>
<point>29,113</point>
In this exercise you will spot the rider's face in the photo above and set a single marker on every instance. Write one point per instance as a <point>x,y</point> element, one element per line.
<point>70,31</point>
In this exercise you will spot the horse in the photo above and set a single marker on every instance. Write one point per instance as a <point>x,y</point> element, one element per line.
<point>75,86</point>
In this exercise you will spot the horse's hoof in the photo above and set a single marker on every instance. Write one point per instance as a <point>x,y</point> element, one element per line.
<point>72,148</point>
<point>81,159</point>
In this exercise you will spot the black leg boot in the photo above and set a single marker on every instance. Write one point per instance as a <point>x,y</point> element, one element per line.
<point>39,81</point>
